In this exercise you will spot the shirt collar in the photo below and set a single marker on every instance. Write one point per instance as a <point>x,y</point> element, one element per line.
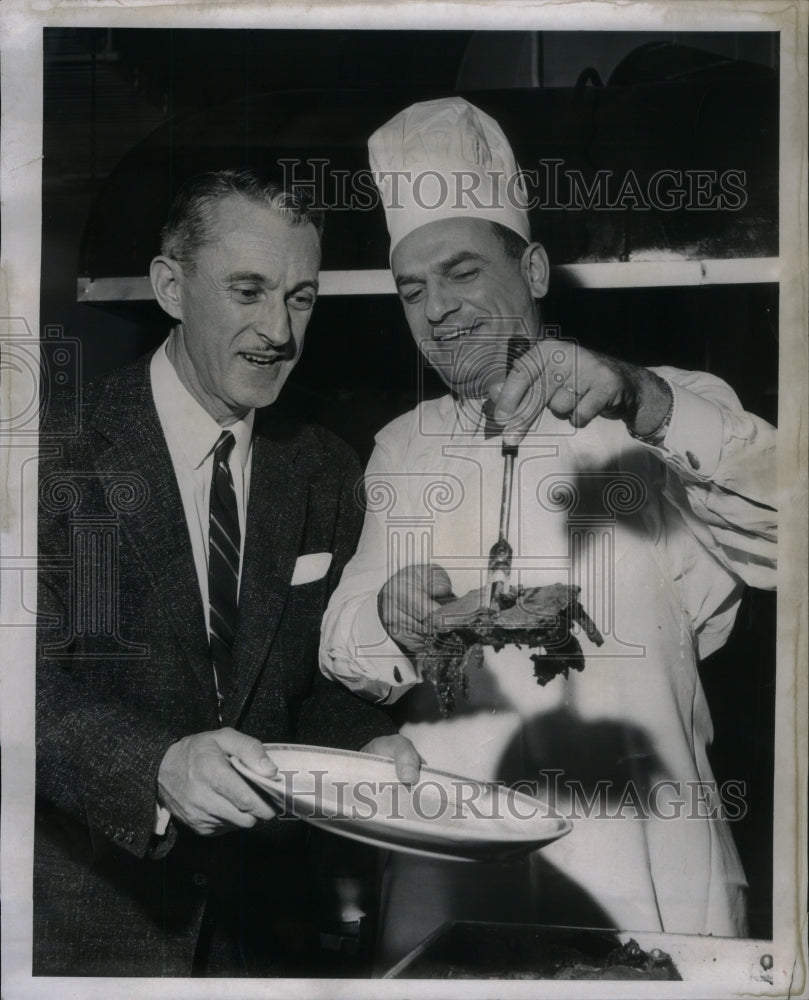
<point>189,429</point>
<point>470,417</point>
<point>468,414</point>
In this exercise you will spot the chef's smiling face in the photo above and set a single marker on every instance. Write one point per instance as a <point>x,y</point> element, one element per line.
<point>242,307</point>
<point>464,296</point>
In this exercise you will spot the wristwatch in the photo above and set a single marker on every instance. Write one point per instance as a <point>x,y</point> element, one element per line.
<point>658,435</point>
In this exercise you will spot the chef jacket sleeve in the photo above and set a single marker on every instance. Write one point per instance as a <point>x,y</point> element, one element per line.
<point>355,648</point>
<point>721,474</point>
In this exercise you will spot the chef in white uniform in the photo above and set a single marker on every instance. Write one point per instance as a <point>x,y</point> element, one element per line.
<point>650,489</point>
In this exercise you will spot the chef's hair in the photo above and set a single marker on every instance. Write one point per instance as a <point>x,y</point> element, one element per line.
<point>190,223</point>
<point>513,244</point>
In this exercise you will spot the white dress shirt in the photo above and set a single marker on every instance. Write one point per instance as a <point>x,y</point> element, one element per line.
<point>191,435</point>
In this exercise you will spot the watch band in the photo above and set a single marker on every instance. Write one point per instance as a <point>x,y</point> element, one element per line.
<point>657,436</point>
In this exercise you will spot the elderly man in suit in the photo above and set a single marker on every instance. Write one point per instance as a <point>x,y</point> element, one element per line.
<point>189,540</point>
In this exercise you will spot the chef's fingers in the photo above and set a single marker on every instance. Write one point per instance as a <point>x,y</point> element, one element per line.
<point>563,404</point>
<point>440,583</point>
<point>414,590</point>
<point>404,604</point>
<point>595,401</point>
<point>522,397</point>
<point>407,631</point>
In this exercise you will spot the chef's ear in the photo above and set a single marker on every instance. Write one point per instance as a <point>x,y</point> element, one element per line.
<point>536,269</point>
<point>166,275</point>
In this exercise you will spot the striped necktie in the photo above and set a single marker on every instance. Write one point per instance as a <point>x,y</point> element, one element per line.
<point>224,540</point>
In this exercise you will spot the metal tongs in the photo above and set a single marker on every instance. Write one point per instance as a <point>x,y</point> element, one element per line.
<point>499,574</point>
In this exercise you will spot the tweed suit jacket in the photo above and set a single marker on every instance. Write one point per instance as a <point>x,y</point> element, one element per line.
<point>124,671</point>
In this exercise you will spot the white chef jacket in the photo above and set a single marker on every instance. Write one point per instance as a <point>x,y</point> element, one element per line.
<point>661,541</point>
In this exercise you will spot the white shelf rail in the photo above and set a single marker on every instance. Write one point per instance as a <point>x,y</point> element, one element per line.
<point>608,274</point>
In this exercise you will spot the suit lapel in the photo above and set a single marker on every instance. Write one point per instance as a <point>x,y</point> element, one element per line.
<point>157,530</point>
<point>276,515</point>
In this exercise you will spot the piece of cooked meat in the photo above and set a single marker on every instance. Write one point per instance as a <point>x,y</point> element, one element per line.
<point>629,961</point>
<point>538,617</point>
<point>491,951</point>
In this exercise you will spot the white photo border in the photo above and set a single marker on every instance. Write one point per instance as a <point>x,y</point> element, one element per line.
<point>21,35</point>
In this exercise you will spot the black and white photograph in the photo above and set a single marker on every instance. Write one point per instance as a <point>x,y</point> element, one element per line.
<point>404,439</point>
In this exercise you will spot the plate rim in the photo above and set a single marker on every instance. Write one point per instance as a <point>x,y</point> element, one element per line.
<point>561,825</point>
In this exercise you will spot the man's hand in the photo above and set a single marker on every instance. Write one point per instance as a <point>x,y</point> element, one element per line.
<point>578,385</point>
<point>408,599</point>
<point>406,757</point>
<point>198,785</point>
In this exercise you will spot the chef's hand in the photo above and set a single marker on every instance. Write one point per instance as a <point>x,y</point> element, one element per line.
<point>408,599</point>
<point>199,786</point>
<point>406,757</point>
<point>577,385</point>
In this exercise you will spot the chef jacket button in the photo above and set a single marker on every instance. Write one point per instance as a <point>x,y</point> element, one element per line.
<point>692,458</point>
<point>199,879</point>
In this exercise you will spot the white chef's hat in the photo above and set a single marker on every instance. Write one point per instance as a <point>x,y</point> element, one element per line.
<point>446,159</point>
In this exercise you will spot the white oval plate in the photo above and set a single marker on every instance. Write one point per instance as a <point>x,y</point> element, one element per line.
<point>444,815</point>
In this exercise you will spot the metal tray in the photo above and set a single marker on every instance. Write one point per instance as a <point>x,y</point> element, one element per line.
<point>479,950</point>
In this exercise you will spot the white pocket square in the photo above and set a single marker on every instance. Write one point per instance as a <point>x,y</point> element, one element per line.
<point>310,568</point>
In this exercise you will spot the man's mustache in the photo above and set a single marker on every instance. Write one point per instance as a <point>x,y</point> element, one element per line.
<point>287,352</point>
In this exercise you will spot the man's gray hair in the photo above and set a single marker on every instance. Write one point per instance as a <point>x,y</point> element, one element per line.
<point>190,221</point>
<point>513,244</point>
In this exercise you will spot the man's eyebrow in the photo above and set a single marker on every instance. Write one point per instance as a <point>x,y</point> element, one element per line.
<point>261,279</point>
<point>407,279</point>
<point>306,283</point>
<point>248,276</point>
<point>462,257</point>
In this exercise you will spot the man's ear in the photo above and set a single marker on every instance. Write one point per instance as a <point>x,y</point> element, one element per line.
<point>166,277</point>
<point>536,269</point>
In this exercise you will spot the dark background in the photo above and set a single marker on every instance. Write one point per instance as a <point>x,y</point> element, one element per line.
<point>129,113</point>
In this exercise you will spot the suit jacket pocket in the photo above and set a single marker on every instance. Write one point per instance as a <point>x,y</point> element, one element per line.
<point>310,568</point>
